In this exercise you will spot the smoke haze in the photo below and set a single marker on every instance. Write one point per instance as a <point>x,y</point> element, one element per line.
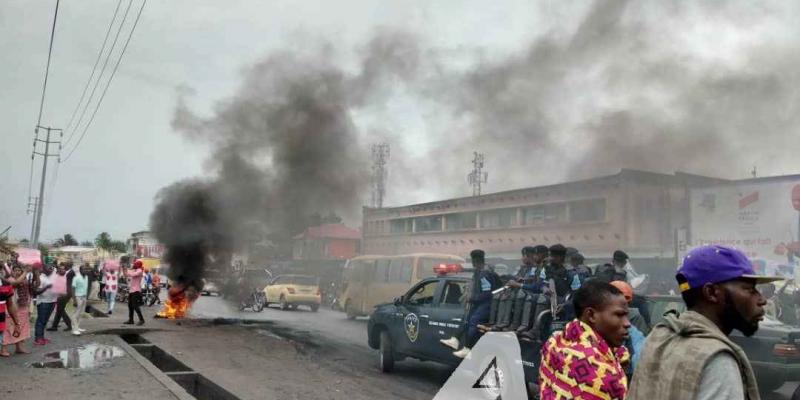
<point>705,88</point>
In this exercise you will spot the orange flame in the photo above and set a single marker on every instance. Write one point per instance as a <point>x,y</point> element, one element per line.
<point>177,303</point>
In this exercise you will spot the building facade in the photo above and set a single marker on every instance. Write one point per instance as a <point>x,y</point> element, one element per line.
<point>326,242</point>
<point>637,211</point>
<point>144,245</point>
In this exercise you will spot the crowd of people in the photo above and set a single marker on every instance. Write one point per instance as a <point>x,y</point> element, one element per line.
<point>50,287</point>
<point>607,347</point>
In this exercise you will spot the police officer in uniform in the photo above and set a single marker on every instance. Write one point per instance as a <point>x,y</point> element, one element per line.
<point>484,281</point>
<point>614,271</point>
<point>554,271</point>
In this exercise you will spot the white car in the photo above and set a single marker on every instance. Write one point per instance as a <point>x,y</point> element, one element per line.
<point>209,288</point>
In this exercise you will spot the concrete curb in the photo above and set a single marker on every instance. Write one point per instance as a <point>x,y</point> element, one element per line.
<point>156,373</point>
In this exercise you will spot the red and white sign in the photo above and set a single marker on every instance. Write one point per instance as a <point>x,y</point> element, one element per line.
<point>760,218</point>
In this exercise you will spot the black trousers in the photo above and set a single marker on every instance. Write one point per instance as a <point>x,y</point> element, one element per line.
<point>61,313</point>
<point>134,304</point>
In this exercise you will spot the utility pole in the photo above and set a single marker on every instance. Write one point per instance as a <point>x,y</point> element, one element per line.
<point>37,218</point>
<point>477,177</point>
<point>32,204</point>
<point>380,156</point>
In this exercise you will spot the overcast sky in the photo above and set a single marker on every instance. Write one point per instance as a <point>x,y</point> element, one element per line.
<point>131,151</point>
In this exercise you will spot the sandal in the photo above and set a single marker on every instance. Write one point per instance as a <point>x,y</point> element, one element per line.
<point>22,352</point>
<point>5,354</point>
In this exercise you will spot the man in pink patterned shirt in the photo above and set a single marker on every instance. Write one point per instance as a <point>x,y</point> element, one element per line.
<point>586,360</point>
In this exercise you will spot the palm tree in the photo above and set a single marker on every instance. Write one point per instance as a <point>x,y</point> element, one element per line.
<point>67,240</point>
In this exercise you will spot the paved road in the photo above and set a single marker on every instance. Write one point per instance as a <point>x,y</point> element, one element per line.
<point>351,335</point>
<point>331,329</point>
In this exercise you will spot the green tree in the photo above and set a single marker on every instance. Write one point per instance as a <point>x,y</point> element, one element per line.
<point>66,240</point>
<point>87,243</point>
<point>44,249</point>
<point>118,246</point>
<point>103,241</point>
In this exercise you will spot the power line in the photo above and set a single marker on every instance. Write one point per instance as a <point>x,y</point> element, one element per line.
<point>108,84</point>
<point>94,68</point>
<point>102,71</point>
<point>47,68</point>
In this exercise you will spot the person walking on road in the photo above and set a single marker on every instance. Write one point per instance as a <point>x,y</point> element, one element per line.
<point>586,360</point>
<point>134,276</point>
<point>62,281</point>
<point>80,290</point>
<point>45,302</point>
<point>111,283</point>
<point>157,286</point>
<point>691,356</point>
<point>22,283</point>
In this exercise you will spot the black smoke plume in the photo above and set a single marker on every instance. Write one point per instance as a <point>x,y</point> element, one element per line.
<point>283,148</point>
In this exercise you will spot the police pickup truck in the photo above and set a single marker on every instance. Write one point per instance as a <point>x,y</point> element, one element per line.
<point>431,310</point>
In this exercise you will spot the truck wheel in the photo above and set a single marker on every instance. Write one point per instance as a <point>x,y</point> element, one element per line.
<point>284,303</point>
<point>386,352</point>
<point>315,307</point>
<point>348,309</point>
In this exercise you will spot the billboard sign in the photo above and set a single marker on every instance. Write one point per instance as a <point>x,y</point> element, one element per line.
<point>760,218</point>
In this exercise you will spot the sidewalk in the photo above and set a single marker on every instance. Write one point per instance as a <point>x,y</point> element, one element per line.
<point>121,377</point>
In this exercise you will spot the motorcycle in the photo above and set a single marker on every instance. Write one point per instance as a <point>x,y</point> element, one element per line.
<point>149,296</point>
<point>255,301</point>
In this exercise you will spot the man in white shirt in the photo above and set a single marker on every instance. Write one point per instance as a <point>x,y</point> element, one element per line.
<point>45,303</point>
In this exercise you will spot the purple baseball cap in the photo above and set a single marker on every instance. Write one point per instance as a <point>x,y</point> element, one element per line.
<point>715,264</point>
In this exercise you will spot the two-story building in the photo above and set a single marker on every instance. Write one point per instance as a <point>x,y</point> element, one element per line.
<point>639,212</point>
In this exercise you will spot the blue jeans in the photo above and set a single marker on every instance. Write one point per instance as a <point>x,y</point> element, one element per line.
<point>43,312</point>
<point>478,315</point>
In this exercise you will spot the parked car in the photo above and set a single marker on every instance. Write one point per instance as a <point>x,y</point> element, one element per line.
<point>291,291</point>
<point>209,288</point>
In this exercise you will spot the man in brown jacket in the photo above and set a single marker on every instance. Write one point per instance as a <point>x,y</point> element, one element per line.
<point>690,356</point>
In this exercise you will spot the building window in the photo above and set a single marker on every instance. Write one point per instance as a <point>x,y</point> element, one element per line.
<point>400,225</point>
<point>544,214</point>
<point>499,218</point>
<point>428,224</point>
<point>591,210</point>
<point>456,222</point>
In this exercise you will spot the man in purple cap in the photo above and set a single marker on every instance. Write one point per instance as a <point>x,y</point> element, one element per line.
<point>690,356</point>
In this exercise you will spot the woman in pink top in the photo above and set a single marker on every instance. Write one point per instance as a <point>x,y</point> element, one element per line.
<point>135,291</point>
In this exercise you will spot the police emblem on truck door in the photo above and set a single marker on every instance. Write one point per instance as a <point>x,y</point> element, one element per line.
<point>411,323</point>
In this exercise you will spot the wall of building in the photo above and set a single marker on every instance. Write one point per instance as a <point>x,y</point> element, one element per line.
<point>634,211</point>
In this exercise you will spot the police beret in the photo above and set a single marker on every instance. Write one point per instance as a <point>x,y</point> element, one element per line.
<point>558,250</point>
<point>620,255</point>
<point>528,250</point>
<point>540,249</point>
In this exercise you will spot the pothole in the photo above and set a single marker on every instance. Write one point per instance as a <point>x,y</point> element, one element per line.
<point>89,356</point>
